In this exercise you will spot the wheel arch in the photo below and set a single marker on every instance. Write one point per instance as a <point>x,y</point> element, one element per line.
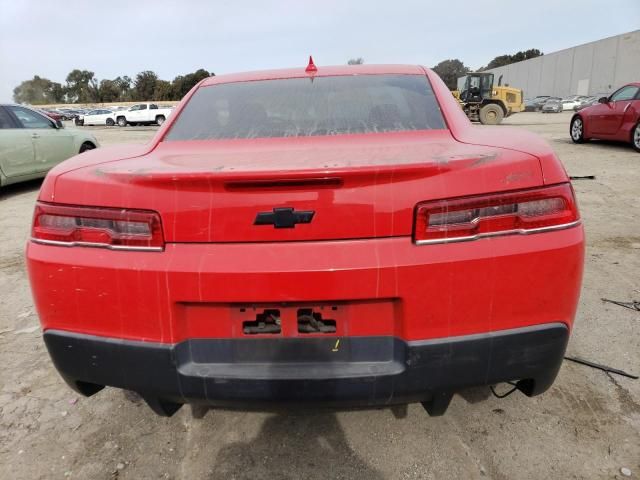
<point>89,142</point>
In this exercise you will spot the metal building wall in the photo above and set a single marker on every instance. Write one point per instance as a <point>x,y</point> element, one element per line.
<point>593,68</point>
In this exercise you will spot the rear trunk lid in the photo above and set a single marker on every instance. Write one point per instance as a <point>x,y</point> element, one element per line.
<point>297,189</point>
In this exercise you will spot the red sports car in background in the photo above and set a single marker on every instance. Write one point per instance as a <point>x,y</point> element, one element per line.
<point>52,115</point>
<point>334,235</point>
<point>616,117</point>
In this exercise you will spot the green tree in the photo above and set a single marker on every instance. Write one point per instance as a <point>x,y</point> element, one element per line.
<point>108,91</point>
<point>57,93</point>
<point>182,84</point>
<point>124,88</point>
<point>38,91</point>
<point>163,90</point>
<point>177,87</point>
<point>450,70</point>
<point>144,85</point>
<point>355,61</point>
<point>507,59</point>
<point>82,86</point>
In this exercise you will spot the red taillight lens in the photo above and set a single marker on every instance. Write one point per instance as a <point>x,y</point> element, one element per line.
<point>97,227</point>
<point>520,212</point>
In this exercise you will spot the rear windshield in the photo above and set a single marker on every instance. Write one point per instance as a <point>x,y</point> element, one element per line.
<point>299,107</point>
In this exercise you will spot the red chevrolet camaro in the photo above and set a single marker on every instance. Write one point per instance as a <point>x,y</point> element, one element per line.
<point>335,235</point>
<point>616,117</point>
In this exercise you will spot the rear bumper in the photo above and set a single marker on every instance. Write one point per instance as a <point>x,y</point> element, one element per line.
<point>379,287</point>
<point>358,371</point>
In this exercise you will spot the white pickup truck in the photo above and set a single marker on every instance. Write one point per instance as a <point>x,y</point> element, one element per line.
<point>142,114</point>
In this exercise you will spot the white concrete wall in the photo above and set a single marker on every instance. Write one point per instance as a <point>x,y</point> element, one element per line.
<point>598,67</point>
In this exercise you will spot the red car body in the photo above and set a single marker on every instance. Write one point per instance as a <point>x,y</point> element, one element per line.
<point>616,117</point>
<point>310,269</point>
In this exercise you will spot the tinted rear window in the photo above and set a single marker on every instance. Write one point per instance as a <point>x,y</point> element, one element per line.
<point>299,107</point>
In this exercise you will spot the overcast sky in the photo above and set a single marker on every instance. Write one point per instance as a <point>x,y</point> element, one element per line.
<point>124,37</point>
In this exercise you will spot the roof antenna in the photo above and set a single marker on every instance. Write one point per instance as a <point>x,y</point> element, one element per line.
<point>311,68</point>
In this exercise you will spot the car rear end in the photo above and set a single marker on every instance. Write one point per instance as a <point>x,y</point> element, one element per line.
<point>328,242</point>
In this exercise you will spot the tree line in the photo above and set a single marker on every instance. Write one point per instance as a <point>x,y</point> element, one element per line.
<point>83,87</point>
<point>450,70</point>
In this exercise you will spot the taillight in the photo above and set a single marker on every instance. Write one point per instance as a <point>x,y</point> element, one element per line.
<point>115,228</point>
<point>520,212</point>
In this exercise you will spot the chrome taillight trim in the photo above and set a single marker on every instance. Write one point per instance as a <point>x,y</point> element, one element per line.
<point>58,243</point>
<point>520,231</point>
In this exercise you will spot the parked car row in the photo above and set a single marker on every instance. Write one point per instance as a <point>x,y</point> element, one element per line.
<point>546,103</point>
<point>63,113</point>
<point>587,102</point>
<point>139,114</point>
<point>535,104</point>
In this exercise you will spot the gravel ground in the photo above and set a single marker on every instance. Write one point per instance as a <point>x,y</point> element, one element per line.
<point>586,426</point>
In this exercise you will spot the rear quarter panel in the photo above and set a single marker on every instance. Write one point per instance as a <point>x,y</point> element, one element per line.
<point>496,136</point>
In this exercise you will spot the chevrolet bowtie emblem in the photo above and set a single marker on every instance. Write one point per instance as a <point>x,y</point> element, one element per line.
<point>284,217</point>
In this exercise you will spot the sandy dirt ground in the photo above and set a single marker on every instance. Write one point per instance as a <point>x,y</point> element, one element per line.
<point>586,426</point>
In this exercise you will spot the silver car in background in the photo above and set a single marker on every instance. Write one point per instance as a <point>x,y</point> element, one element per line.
<point>552,105</point>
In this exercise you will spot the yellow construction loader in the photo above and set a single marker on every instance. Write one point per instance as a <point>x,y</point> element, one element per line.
<point>486,103</point>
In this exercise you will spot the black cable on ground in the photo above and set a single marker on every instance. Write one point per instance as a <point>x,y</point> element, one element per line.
<point>506,394</point>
